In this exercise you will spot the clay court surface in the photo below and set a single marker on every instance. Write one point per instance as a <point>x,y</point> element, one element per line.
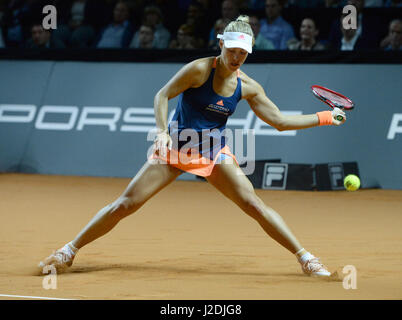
<point>189,242</point>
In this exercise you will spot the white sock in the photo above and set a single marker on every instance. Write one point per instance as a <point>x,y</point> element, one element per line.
<point>304,257</point>
<point>70,249</point>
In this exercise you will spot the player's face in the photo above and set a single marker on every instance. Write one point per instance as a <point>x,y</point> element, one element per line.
<point>233,58</point>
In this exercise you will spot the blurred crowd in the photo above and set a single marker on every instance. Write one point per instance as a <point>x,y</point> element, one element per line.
<point>194,24</point>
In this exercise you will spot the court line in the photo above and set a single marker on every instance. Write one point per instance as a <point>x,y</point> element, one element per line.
<point>31,297</point>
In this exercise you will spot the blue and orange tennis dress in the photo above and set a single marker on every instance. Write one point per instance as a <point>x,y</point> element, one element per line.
<point>197,128</point>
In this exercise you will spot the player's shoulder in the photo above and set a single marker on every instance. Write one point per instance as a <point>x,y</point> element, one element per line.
<point>250,87</point>
<point>201,65</point>
<point>200,69</point>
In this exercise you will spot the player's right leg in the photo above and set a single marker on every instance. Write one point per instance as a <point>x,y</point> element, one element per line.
<point>152,178</point>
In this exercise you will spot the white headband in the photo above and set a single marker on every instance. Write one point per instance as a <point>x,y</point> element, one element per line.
<point>237,40</point>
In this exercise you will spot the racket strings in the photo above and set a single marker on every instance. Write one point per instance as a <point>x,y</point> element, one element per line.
<point>334,98</point>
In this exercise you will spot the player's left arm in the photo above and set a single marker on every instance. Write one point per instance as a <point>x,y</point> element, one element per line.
<point>268,112</point>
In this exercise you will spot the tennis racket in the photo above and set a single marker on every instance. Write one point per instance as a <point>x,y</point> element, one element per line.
<point>333,99</point>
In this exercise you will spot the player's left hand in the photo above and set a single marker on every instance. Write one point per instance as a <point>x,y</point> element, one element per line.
<point>162,143</point>
<point>336,112</point>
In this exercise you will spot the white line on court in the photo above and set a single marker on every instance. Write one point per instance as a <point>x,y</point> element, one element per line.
<point>31,297</point>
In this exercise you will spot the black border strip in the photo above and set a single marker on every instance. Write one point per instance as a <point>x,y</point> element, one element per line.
<point>250,309</point>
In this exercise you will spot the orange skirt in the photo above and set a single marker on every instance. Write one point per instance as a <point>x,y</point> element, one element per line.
<point>192,161</point>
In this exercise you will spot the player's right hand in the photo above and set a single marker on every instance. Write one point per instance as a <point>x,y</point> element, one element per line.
<point>162,143</point>
<point>336,112</point>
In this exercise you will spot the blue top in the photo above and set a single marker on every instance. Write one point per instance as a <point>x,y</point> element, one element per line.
<point>201,109</point>
<point>115,36</point>
<point>279,32</point>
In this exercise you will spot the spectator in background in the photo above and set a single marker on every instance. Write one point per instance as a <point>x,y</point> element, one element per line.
<point>146,37</point>
<point>183,4</point>
<point>197,19</point>
<point>242,4</point>
<point>17,19</point>
<point>368,28</point>
<point>41,38</point>
<point>393,3</point>
<point>332,3</point>
<point>185,38</point>
<point>119,33</point>
<point>335,3</point>
<point>153,17</point>
<point>306,3</point>
<point>213,7</point>
<point>79,21</point>
<point>374,3</point>
<point>393,40</point>
<point>173,15</point>
<point>3,6</point>
<point>350,40</point>
<point>229,11</point>
<point>211,12</point>
<point>82,34</point>
<point>219,27</point>
<point>260,43</point>
<point>2,43</point>
<point>308,37</point>
<point>274,27</point>
<point>210,5</point>
<point>256,4</point>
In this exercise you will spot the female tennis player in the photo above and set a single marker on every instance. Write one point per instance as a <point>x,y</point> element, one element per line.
<point>209,90</point>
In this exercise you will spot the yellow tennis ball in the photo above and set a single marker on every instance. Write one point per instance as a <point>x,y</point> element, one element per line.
<point>351,182</point>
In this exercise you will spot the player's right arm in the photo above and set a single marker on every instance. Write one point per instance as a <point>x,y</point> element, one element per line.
<point>190,76</point>
<point>267,111</point>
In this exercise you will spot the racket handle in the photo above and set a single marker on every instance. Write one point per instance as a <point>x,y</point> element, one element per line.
<point>339,117</point>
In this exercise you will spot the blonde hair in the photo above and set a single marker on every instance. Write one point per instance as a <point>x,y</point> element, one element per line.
<point>241,24</point>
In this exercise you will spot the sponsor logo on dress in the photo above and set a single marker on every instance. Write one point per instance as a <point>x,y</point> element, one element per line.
<point>219,108</point>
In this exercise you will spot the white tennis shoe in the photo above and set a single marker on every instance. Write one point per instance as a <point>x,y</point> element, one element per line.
<point>61,259</point>
<point>313,267</point>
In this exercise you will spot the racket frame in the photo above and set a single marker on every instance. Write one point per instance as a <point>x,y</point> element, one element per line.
<point>329,102</point>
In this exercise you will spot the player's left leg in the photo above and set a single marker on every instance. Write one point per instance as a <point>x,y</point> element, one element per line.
<point>229,179</point>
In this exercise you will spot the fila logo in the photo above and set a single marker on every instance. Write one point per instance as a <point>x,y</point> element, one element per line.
<point>220,103</point>
<point>275,176</point>
<point>336,175</point>
<point>395,127</point>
